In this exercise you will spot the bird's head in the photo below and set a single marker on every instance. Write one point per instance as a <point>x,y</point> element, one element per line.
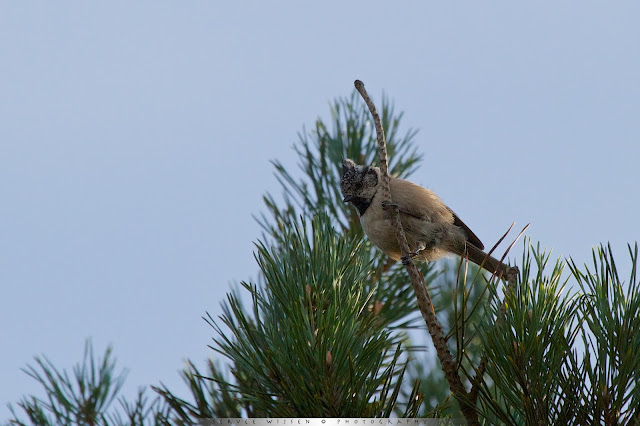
<point>359,183</point>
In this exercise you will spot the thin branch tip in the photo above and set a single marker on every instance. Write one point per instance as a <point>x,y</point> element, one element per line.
<point>425,304</point>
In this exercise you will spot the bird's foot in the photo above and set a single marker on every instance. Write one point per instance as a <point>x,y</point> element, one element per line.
<point>420,246</point>
<point>406,259</point>
<point>386,205</point>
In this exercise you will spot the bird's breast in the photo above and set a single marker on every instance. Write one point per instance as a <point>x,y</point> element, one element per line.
<point>379,230</point>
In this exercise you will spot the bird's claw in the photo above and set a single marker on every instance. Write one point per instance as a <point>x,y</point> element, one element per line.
<point>405,259</point>
<point>386,205</point>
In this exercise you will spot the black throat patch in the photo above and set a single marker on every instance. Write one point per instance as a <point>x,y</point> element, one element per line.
<point>362,204</point>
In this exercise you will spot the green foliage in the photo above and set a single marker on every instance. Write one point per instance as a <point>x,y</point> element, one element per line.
<point>86,397</point>
<point>313,345</point>
<point>611,337</point>
<point>564,357</point>
<point>213,395</point>
<point>528,338</point>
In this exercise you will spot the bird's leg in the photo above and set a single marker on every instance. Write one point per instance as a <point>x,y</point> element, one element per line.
<point>420,246</point>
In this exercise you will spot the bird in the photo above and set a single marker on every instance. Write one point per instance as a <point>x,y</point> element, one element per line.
<point>432,229</point>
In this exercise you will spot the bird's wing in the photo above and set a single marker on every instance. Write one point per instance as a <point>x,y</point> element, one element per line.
<point>471,237</point>
<point>421,203</point>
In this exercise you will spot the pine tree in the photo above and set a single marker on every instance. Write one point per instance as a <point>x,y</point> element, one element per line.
<point>87,396</point>
<point>333,328</point>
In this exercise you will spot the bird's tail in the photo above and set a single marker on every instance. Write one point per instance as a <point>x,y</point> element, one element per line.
<point>486,261</point>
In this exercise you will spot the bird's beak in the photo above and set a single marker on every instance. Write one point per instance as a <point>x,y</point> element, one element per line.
<point>347,198</point>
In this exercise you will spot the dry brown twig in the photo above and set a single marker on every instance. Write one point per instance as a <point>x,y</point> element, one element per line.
<point>466,400</point>
<point>425,304</point>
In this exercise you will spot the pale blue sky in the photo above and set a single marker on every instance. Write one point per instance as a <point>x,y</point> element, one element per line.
<point>135,140</point>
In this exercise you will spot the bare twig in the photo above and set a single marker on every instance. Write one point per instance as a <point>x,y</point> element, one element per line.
<point>417,279</point>
<point>512,275</point>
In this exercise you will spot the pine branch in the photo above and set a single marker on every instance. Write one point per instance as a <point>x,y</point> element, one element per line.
<point>424,300</point>
<point>85,396</point>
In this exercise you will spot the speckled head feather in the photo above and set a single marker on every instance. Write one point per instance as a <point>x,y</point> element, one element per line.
<point>359,184</point>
